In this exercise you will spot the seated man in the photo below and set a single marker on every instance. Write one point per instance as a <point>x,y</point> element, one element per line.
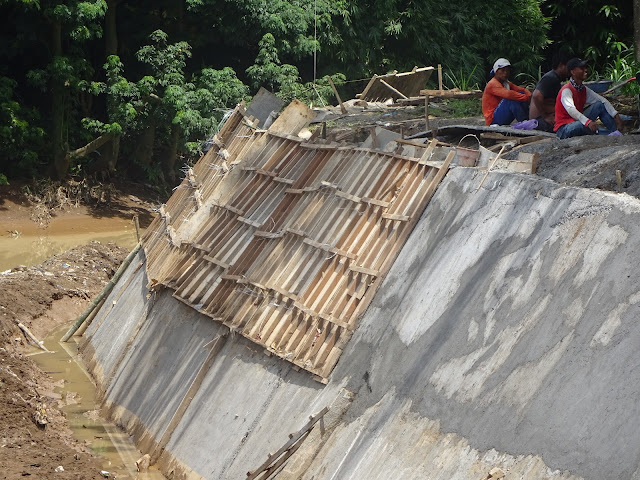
<point>543,99</point>
<point>572,118</point>
<point>502,100</point>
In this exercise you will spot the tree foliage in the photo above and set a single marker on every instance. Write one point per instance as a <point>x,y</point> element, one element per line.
<point>592,30</point>
<point>134,87</point>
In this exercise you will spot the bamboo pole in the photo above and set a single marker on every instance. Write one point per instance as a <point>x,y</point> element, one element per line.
<point>107,289</point>
<point>90,318</point>
<point>137,224</point>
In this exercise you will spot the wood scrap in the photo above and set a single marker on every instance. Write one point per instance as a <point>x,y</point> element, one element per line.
<point>453,93</point>
<point>335,92</point>
<point>394,90</point>
<point>295,439</point>
<point>31,337</point>
<point>493,164</point>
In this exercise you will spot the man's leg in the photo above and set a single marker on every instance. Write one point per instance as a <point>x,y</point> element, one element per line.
<point>509,110</point>
<point>573,129</point>
<point>543,125</point>
<point>598,110</point>
<point>502,115</point>
<point>520,110</point>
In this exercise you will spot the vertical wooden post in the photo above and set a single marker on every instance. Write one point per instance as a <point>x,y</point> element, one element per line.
<point>137,224</point>
<point>440,77</point>
<point>335,92</point>
<point>426,111</point>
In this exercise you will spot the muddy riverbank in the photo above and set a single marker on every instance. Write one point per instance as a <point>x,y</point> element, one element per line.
<point>42,298</point>
<point>44,290</point>
<point>34,227</point>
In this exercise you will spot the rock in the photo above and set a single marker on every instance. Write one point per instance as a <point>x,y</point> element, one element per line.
<point>59,469</point>
<point>142,464</point>
<point>40,415</point>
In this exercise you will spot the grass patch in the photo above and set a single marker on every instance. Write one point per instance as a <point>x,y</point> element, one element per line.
<point>457,108</point>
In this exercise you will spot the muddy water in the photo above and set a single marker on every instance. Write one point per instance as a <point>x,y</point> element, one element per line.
<point>77,392</point>
<point>22,242</point>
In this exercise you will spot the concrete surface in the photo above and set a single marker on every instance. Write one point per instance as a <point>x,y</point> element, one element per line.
<point>503,336</point>
<point>590,162</point>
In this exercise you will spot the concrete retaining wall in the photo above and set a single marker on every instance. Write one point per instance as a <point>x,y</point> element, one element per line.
<point>505,335</point>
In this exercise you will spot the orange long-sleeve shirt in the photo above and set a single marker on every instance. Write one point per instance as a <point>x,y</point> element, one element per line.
<point>494,92</point>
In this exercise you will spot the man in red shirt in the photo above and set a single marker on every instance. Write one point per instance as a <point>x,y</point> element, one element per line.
<point>502,100</point>
<point>573,117</point>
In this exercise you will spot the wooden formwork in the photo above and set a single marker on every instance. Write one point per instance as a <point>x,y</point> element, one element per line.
<point>397,86</point>
<point>284,241</point>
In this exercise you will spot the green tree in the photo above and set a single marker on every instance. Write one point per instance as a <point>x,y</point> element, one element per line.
<point>20,137</point>
<point>187,107</point>
<point>592,30</point>
<point>392,35</point>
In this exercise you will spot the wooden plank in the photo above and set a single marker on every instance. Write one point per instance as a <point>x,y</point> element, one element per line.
<point>335,92</point>
<point>294,118</point>
<point>390,216</point>
<point>293,438</point>
<point>263,234</point>
<point>366,271</point>
<point>214,260</point>
<point>454,93</point>
<point>287,181</point>
<point>249,222</point>
<point>374,201</point>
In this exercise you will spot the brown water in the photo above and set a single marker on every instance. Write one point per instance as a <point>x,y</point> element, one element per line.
<point>78,392</point>
<point>23,242</point>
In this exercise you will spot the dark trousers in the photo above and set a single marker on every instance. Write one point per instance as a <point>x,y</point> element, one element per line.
<point>509,110</point>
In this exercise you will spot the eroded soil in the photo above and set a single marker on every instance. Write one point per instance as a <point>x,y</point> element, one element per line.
<point>43,297</point>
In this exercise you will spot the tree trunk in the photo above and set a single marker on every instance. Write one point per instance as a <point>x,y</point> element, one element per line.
<point>172,155</point>
<point>636,28</point>
<point>110,28</point>
<point>90,147</point>
<point>112,151</point>
<point>58,145</point>
<point>143,152</point>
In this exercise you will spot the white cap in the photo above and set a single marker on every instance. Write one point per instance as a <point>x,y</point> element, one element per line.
<point>500,63</point>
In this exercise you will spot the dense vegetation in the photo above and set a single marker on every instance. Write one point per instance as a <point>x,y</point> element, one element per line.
<point>134,87</point>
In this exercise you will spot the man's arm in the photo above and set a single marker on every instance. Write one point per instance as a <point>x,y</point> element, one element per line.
<point>498,90</point>
<point>593,97</point>
<point>568,104</point>
<point>536,108</point>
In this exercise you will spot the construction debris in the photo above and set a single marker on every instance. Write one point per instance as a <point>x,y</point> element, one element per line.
<point>396,85</point>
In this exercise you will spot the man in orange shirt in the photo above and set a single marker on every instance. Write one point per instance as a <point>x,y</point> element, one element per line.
<point>502,100</point>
